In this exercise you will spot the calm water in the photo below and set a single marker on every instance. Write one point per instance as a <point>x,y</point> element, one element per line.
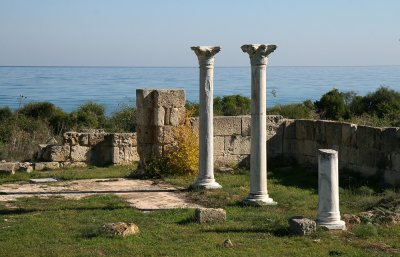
<point>68,87</point>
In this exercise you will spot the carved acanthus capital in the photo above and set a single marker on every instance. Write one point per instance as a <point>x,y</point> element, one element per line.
<point>206,54</point>
<point>258,53</point>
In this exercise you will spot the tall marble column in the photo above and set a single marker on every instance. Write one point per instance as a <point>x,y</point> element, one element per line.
<point>328,190</point>
<point>206,54</point>
<point>258,152</point>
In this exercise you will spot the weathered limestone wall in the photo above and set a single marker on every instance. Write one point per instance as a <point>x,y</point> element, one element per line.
<point>159,111</point>
<point>365,149</point>
<point>80,149</point>
<point>232,137</point>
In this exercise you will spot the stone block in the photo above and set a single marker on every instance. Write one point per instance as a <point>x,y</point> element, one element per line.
<point>123,139</point>
<point>290,146</point>
<point>57,153</point>
<point>230,160</point>
<point>237,144</point>
<point>83,139</point>
<point>96,138</point>
<point>349,134</point>
<point>333,132</point>
<point>145,98</point>
<point>177,116</point>
<point>115,155</point>
<point>68,165</point>
<point>159,117</point>
<point>389,139</point>
<point>80,153</point>
<point>70,138</point>
<point>169,98</point>
<point>210,215</point>
<point>366,137</point>
<point>301,226</point>
<point>126,155</point>
<point>219,145</point>
<point>39,166</point>
<point>306,147</point>
<point>145,117</point>
<point>275,143</point>
<point>25,167</point>
<point>120,229</point>
<point>145,135</point>
<point>9,167</point>
<point>289,131</point>
<point>227,126</point>
<point>165,135</point>
<point>246,125</point>
<point>305,129</point>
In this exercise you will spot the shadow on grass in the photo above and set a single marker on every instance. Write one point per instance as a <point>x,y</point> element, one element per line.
<point>187,221</point>
<point>19,211</point>
<point>295,177</point>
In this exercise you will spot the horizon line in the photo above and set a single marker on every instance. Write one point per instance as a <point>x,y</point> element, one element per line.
<point>123,66</point>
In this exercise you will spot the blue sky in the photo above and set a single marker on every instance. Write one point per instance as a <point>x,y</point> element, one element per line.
<point>160,32</point>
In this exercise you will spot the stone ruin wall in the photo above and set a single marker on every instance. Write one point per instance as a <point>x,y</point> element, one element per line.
<point>368,150</point>
<point>81,149</point>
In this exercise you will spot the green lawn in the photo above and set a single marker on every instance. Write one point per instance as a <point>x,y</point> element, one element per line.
<point>59,227</point>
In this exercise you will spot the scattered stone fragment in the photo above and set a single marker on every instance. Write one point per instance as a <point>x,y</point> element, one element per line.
<point>318,240</point>
<point>302,226</point>
<point>227,243</point>
<point>25,167</point>
<point>210,215</point>
<point>351,219</point>
<point>8,167</point>
<point>121,228</point>
<point>42,180</point>
<point>47,166</point>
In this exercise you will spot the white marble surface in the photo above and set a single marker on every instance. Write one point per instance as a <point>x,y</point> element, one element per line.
<point>258,154</point>
<point>205,55</point>
<point>328,190</point>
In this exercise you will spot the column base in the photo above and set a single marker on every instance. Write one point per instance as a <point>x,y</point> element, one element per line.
<point>259,200</point>
<point>336,225</point>
<point>207,184</point>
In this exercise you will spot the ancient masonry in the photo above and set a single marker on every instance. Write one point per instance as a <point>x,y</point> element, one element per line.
<point>369,150</point>
<point>81,149</point>
<point>159,111</point>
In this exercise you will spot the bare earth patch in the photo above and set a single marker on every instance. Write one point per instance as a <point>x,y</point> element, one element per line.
<point>140,194</point>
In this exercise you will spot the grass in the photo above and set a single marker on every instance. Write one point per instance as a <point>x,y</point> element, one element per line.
<point>60,227</point>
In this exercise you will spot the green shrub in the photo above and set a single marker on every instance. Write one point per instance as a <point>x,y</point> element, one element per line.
<point>332,105</point>
<point>123,120</point>
<point>88,115</point>
<point>5,114</point>
<point>294,111</point>
<point>193,108</point>
<point>232,105</point>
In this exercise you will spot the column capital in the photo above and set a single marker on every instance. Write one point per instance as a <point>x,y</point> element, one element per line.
<point>258,53</point>
<point>206,54</point>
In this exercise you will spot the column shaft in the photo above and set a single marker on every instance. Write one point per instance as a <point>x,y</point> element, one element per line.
<point>258,152</point>
<point>206,117</point>
<point>328,190</point>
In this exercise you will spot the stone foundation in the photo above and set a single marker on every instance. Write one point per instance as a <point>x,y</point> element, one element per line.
<point>81,149</point>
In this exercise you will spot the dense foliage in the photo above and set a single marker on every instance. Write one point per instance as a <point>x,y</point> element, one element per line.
<point>22,130</point>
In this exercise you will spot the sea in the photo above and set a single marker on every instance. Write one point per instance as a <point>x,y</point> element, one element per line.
<point>115,87</point>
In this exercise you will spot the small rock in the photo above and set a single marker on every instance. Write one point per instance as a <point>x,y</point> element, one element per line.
<point>3,161</point>
<point>25,167</point>
<point>121,228</point>
<point>302,226</point>
<point>227,243</point>
<point>210,215</point>
<point>318,240</point>
<point>42,180</point>
<point>351,219</point>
